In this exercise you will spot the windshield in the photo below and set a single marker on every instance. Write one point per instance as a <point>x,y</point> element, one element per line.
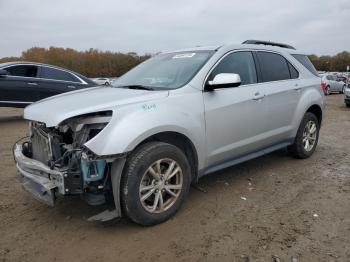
<point>165,71</point>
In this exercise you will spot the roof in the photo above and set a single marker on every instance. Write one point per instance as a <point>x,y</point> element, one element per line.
<point>239,46</point>
<point>29,63</point>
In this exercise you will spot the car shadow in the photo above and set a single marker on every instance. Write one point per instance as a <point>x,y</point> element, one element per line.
<point>75,207</point>
<point>7,119</point>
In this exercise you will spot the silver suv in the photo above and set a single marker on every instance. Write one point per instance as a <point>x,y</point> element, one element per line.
<point>333,84</point>
<point>169,121</point>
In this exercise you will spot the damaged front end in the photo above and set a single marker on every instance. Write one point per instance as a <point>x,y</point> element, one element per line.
<point>54,161</point>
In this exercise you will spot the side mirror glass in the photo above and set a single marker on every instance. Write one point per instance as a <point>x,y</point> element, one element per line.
<point>224,80</point>
<point>3,73</point>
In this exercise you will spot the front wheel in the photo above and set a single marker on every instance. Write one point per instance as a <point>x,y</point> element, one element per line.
<point>155,183</point>
<point>307,137</point>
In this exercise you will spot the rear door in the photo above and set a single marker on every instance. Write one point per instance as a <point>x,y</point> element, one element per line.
<point>282,89</point>
<point>55,81</point>
<point>21,86</point>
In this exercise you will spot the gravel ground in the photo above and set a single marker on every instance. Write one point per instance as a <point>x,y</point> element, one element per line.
<point>273,206</point>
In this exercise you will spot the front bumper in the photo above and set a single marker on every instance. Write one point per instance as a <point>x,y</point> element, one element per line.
<point>38,179</point>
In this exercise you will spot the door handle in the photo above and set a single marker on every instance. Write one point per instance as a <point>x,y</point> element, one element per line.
<point>71,86</point>
<point>297,88</point>
<point>258,96</point>
<point>32,83</point>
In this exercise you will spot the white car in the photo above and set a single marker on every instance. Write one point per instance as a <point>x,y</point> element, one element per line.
<point>102,81</point>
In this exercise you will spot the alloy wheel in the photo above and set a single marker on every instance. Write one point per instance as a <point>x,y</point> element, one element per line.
<point>309,135</point>
<point>161,185</point>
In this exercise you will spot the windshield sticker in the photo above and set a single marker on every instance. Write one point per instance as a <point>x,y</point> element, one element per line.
<point>147,107</point>
<point>186,55</point>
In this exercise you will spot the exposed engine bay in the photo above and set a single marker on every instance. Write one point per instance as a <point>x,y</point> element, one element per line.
<point>62,148</point>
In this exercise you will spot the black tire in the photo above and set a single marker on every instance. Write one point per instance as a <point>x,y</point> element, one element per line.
<point>327,91</point>
<point>136,166</point>
<point>297,149</point>
<point>347,105</point>
<point>343,90</point>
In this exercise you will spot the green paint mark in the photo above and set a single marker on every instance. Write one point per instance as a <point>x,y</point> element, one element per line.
<point>147,107</point>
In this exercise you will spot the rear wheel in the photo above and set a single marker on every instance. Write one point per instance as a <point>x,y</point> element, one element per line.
<point>155,183</point>
<point>347,105</point>
<point>307,137</point>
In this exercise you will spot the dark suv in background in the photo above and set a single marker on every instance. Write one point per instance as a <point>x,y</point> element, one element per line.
<point>22,83</point>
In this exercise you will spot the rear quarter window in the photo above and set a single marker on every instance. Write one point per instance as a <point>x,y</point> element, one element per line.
<point>305,61</point>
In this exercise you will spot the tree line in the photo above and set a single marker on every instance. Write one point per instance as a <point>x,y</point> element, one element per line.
<point>94,63</point>
<point>91,63</point>
<point>336,63</point>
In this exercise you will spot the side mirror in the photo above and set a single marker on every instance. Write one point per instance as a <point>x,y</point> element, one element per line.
<point>3,73</point>
<point>224,80</point>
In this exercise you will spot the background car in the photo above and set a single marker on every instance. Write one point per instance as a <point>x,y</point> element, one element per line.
<point>347,96</point>
<point>102,81</point>
<point>332,84</point>
<point>22,83</point>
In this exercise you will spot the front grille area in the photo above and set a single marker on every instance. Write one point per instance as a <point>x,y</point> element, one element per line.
<point>40,145</point>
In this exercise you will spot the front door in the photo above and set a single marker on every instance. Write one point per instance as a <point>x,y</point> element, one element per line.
<point>20,86</point>
<point>235,117</point>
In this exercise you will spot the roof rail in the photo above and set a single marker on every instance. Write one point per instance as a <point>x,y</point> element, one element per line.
<point>259,42</point>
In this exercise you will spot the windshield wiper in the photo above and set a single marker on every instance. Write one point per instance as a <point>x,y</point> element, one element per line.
<point>141,87</point>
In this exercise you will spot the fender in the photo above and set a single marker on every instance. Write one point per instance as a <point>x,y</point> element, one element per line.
<point>309,97</point>
<point>132,124</point>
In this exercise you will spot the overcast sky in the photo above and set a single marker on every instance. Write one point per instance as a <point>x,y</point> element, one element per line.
<point>148,26</point>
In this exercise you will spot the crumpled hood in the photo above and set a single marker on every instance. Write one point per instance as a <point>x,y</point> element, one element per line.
<point>54,110</point>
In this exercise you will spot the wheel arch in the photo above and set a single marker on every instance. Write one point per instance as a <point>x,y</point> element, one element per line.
<point>182,142</point>
<point>311,101</point>
<point>317,111</point>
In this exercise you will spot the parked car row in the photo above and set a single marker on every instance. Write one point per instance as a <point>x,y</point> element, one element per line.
<point>333,84</point>
<point>22,83</point>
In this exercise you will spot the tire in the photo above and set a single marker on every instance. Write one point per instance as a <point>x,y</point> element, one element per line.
<point>137,172</point>
<point>347,105</point>
<point>327,91</point>
<point>343,90</point>
<point>299,149</point>
<point>106,84</point>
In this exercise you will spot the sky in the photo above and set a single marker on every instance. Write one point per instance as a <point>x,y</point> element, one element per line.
<point>148,26</point>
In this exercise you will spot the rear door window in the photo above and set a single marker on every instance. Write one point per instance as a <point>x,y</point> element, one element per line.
<point>56,74</point>
<point>274,67</point>
<point>241,63</point>
<point>23,70</point>
<point>305,61</point>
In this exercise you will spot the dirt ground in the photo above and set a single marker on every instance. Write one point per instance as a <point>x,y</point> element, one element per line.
<point>271,206</point>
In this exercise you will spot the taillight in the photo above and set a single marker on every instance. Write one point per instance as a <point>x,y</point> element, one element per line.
<point>323,86</point>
